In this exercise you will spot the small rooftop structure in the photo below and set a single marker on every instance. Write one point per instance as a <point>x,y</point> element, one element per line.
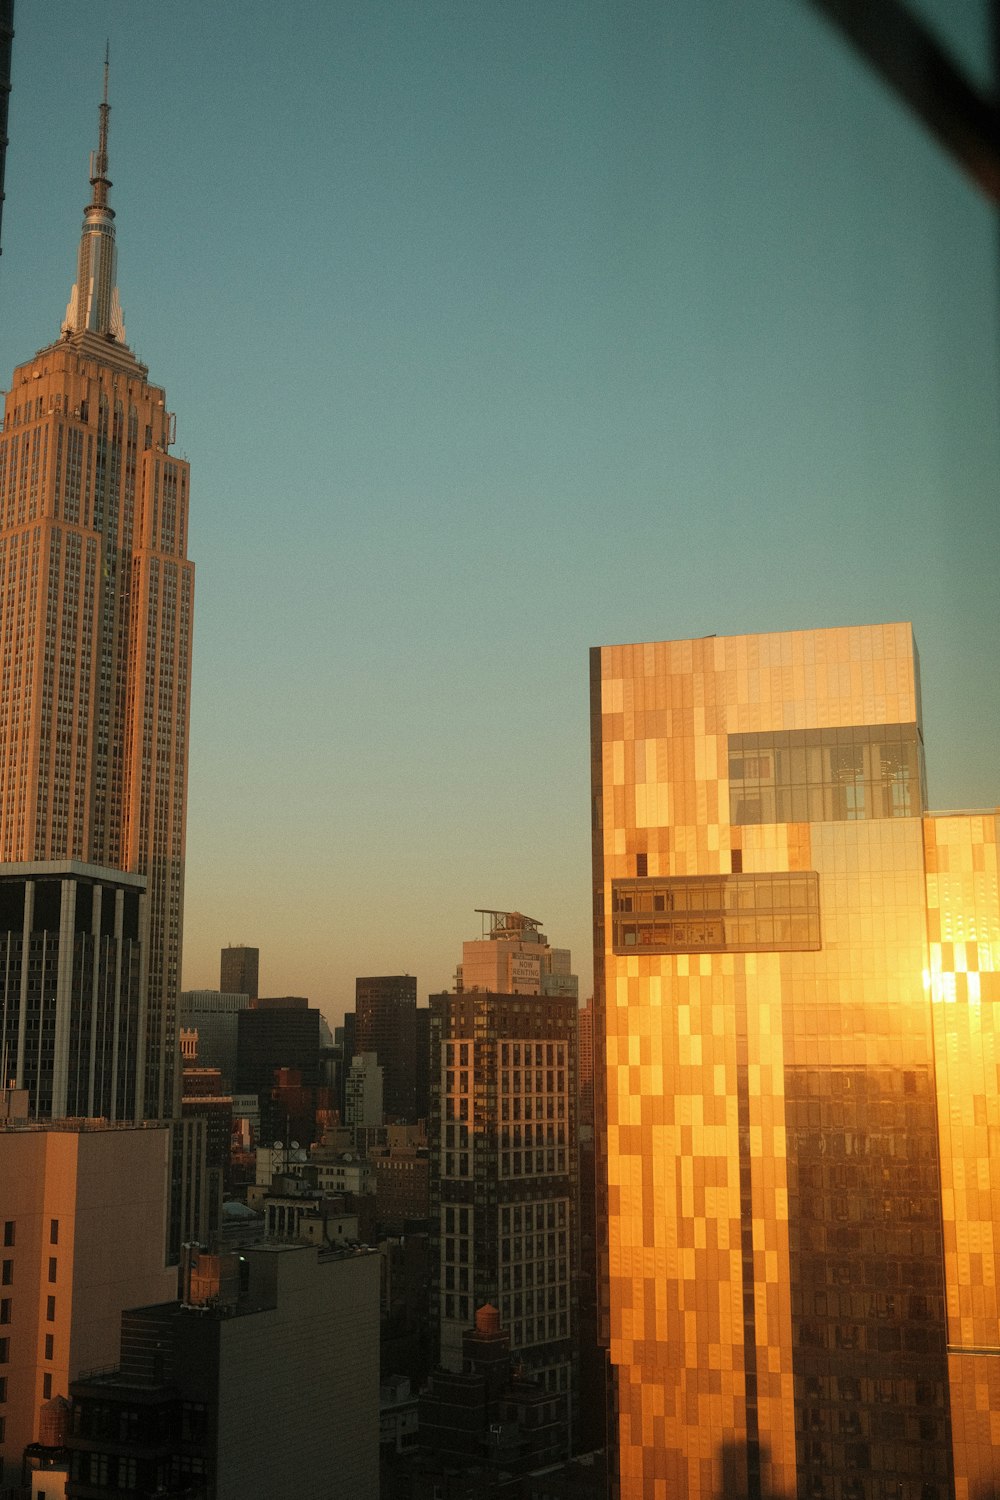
<point>510,924</point>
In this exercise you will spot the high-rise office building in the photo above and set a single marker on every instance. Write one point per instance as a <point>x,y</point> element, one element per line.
<point>502,1145</point>
<point>239,971</point>
<point>71,987</point>
<point>95,612</point>
<point>385,1008</point>
<point>796,995</point>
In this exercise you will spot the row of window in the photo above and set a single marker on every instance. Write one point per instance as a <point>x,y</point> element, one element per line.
<point>532,1163</point>
<point>7,1309</point>
<point>529,1054</point>
<point>717,914</point>
<point>527,1331</point>
<point>7,1270</point>
<point>826,775</point>
<point>10,1235</point>
<point>529,1302</point>
<point>526,1217</point>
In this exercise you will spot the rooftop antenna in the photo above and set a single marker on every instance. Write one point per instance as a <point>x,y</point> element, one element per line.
<point>99,160</point>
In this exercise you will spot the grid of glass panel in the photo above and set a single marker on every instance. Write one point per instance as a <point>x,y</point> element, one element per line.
<point>826,775</point>
<point>758,913</point>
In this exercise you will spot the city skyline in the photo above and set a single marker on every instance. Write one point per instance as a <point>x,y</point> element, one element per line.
<point>492,335</point>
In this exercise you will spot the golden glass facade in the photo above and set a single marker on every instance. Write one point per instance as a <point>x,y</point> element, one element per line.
<point>795,971</point>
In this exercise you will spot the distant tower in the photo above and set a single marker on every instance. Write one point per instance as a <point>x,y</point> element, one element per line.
<point>96,617</point>
<point>239,971</point>
<point>385,1007</point>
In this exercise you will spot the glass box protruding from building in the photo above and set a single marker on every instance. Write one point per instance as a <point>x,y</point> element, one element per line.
<point>759,913</point>
<point>831,775</point>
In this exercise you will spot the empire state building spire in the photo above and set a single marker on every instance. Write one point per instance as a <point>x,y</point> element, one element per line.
<point>94,306</point>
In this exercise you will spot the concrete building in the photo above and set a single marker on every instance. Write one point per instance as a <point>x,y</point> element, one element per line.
<point>239,971</point>
<point>796,998</point>
<point>503,1165</point>
<point>513,957</point>
<point>82,1235</point>
<point>263,1381</point>
<point>72,1014</point>
<point>97,613</point>
<point>342,1170</point>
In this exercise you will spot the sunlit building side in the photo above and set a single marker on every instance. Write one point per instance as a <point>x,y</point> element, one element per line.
<point>95,614</point>
<point>796,967</point>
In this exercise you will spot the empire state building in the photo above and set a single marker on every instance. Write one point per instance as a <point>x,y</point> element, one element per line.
<point>96,597</point>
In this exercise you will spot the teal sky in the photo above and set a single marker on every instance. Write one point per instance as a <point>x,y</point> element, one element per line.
<point>497,329</point>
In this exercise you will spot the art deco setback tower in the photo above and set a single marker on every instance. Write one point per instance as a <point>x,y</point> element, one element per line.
<point>95,621</point>
<point>798,1000</point>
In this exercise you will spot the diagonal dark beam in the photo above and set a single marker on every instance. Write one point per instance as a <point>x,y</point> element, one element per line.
<point>6,37</point>
<point>915,65</point>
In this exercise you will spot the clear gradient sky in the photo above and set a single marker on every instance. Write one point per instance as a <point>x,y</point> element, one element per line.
<point>497,329</point>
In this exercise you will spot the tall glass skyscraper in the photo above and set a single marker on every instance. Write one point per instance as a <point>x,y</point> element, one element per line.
<point>95,618</point>
<point>796,974</point>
